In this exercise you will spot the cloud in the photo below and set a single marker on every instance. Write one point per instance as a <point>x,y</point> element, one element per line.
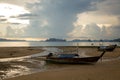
<point>24,17</point>
<point>110,7</point>
<point>18,2</point>
<point>1,34</point>
<point>106,16</point>
<point>96,17</point>
<point>27,16</point>
<point>113,32</point>
<point>93,31</point>
<point>69,18</point>
<point>107,12</point>
<point>59,15</point>
<point>1,16</point>
<point>3,20</point>
<point>89,31</point>
<point>13,31</point>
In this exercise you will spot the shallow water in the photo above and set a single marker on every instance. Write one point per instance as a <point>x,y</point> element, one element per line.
<point>13,67</point>
<point>38,43</point>
<point>31,64</point>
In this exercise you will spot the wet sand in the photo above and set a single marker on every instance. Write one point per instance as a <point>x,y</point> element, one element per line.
<point>102,70</point>
<point>10,52</point>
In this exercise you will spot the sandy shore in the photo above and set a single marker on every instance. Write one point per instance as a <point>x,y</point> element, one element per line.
<point>106,70</point>
<point>101,71</point>
<point>10,52</point>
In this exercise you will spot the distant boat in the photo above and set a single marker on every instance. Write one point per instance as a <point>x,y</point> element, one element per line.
<point>107,48</point>
<point>72,59</point>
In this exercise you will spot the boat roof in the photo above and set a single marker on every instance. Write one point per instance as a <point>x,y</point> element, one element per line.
<point>67,55</point>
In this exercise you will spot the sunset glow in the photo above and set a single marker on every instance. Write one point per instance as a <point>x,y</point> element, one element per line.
<point>8,10</point>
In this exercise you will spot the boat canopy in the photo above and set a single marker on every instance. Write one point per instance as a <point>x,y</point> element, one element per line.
<point>67,55</point>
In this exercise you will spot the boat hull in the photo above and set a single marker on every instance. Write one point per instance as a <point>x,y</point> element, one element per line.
<point>87,60</point>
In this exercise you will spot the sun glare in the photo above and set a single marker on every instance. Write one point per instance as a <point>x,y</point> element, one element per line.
<point>9,10</point>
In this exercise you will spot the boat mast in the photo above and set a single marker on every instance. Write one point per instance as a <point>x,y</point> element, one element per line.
<point>77,48</point>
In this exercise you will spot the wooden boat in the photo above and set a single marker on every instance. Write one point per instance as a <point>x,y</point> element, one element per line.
<point>107,48</point>
<point>72,59</point>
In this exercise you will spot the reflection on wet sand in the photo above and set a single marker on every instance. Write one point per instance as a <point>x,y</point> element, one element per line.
<point>12,67</point>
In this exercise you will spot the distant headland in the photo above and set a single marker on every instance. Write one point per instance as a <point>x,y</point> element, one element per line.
<point>65,40</point>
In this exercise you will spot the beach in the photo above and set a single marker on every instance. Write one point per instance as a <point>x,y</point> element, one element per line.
<point>106,69</point>
<point>10,52</point>
<point>103,71</point>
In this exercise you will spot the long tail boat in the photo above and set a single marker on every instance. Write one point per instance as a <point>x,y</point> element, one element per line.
<point>107,48</point>
<point>72,59</point>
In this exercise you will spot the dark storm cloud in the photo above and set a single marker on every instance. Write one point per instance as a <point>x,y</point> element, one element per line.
<point>25,16</point>
<point>60,15</point>
<point>2,20</point>
<point>111,7</point>
<point>16,23</point>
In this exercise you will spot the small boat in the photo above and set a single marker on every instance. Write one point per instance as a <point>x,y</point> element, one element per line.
<point>72,59</point>
<point>107,48</point>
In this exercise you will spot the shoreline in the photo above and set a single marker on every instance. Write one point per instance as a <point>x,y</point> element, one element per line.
<point>12,52</point>
<point>98,71</point>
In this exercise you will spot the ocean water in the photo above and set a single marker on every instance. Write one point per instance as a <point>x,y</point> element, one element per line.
<point>38,43</point>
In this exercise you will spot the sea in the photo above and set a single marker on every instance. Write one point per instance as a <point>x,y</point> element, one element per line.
<point>40,43</point>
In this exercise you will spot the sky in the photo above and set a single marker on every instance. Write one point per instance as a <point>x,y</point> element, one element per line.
<point>66,19</point>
